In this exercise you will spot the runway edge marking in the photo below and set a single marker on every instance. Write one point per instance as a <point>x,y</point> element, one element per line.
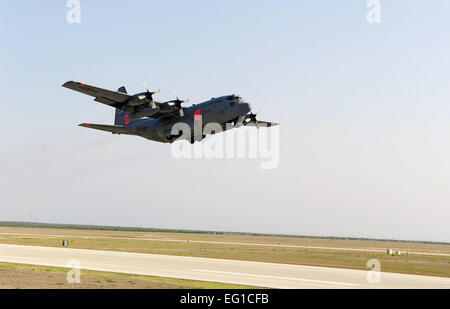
<point>276,277</point>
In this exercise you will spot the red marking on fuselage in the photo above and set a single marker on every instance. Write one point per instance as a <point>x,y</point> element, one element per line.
<point>197,115</point>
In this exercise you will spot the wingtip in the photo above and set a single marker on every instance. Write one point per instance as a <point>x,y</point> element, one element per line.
<point>67,83</point>
<point>70,84</point>
<point>84,125</point>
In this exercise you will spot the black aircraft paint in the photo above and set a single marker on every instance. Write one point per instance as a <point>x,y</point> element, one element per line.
<point>141,115</point>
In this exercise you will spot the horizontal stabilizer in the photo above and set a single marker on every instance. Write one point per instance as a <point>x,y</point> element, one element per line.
<point>107,128</point>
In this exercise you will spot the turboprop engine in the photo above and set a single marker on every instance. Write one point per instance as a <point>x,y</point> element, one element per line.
<point>170,106</point>
<point>142,98</point>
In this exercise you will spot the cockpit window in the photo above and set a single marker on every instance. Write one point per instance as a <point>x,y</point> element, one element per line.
<point>234,98</point>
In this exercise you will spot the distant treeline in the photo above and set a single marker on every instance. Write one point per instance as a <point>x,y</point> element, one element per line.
<point>146,229</point>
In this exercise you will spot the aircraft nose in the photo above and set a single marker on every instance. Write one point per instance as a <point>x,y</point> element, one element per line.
<point>246,107</point>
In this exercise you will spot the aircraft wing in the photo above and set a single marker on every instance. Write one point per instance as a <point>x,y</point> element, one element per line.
<point>107,128</point>
<point>108,97</point>
<point>264,124</point>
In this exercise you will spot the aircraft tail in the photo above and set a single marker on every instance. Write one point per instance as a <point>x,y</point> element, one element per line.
<point>120,114</point>
<point>120,118</point>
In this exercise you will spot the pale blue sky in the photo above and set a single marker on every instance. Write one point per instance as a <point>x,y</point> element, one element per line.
<point>364,110</point>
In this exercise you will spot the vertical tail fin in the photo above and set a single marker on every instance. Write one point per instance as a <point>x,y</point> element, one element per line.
<point>119,120</point>
<point>120,114</point>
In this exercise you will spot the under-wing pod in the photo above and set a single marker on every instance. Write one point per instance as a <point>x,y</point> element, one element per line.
<point>142,113</point>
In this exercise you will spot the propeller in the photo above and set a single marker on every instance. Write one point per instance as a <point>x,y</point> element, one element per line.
<point>149,94</point>
<point>178,103</point>
<point>252,118</point>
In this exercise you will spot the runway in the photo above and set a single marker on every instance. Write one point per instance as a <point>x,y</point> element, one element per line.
<point>260,274</point>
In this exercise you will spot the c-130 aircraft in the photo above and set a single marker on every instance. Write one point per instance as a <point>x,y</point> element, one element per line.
<point>140,115</point>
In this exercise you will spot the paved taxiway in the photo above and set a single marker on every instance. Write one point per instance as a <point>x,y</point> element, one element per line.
<point>217,270</point>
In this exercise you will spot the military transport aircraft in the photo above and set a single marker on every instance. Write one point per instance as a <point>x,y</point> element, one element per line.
<point>140,115</point>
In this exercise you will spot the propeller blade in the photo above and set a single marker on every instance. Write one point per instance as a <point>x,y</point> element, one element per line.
<point>146,85</point>
<point>148,91</point>
<point>178,102</point>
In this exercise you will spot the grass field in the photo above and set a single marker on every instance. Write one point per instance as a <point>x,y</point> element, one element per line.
<point>18,276</point>
<point>246,247</point>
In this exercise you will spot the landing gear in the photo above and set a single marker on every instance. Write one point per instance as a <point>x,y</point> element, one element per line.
<point>172,138</point>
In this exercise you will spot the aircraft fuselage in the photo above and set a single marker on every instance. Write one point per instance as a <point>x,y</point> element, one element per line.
<point>220,110</point>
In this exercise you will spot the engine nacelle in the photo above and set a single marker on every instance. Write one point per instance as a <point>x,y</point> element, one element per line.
<point>168,107</point>
<point>138,99</point>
